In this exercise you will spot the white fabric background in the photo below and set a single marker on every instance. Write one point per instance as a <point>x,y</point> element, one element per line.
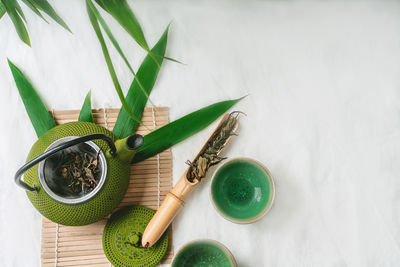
<point>323,115</point>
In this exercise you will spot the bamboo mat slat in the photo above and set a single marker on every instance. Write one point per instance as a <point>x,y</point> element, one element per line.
<point>150,181</point>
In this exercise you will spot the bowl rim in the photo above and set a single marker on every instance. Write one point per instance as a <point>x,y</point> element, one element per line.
<point>268,205</point>
<point>222,246</point>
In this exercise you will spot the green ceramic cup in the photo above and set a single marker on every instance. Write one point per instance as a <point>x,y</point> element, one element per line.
<point>242,190</point>
<point>204,253</point>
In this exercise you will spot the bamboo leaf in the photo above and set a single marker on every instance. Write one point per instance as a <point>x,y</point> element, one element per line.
<point>86,111</point>
<point>12,10</point>
<point>110,35</point>
<point>2,10</point>
<point>172,59</point>
<point>110,66</point>
<point>147,73</point>
<point>17,7</point>
<point>37,112</point>
<point>31,5</point>
<point>176,131</point>
<point>49,10</point>
<point>121,11</point>
<point>115,43</point>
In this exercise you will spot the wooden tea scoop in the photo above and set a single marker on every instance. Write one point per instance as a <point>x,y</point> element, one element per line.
<point>174,200</point>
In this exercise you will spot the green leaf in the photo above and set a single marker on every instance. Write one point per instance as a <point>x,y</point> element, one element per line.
<point>172,59</point>
<point>147,73</point>
<point>14,11</point>
<point>110,35</point>
<point>49,10</point>
<point>18,9</point>
<point>121,11</point>
<point>176,131</point>
<point>31,5</point>
<point>86,111</point>
<point>115,43</point>
<point>2,10</point>
<point>37,111</point>
<point>110,66</point>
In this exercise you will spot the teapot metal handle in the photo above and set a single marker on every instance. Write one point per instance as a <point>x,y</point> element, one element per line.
<point>54,150</point>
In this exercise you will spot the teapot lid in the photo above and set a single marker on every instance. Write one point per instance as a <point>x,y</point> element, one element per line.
<point>122,238</point>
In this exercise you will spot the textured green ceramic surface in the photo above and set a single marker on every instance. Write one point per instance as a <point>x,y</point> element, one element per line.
<point>103,203</point>
<point>204,253</point>
<point>242,190</point>
<point>122,239</point>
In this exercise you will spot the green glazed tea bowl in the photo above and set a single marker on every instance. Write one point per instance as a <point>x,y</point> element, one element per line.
<point>242,190</point>
<point>204,253</point>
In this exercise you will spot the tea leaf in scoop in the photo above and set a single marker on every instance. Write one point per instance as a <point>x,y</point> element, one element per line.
<point>86,111</point>
<point>110,66</point>
<point>176,131</point>
<point>37,112</point>
<point>147,73</point>
<point>209,156</point>
<point>15,13</point>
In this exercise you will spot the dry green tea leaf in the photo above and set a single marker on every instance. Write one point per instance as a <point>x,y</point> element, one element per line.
<point>76,167</point>
<point>209,156</point>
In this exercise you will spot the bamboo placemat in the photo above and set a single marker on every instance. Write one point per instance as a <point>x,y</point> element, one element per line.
<point>150,181</point>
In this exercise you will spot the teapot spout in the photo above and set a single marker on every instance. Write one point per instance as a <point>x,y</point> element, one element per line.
<point>126,148</point>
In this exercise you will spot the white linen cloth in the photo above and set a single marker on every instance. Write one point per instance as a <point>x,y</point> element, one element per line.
<point>323,114</point>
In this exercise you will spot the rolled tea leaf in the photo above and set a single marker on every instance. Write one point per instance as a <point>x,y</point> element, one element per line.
<point>86,111</point>
<point>177,131</point>
<point>14,12</point>
<point>37,111</point>
<point>49,10</point>
<point>136,100</point>
<point>110,66</point>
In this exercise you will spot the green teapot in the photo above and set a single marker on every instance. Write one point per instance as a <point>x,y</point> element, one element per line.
<point>51,195</point>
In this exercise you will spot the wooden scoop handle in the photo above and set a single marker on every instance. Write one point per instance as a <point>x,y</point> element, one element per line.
<point>174,200</point>
<point>170,207</point>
